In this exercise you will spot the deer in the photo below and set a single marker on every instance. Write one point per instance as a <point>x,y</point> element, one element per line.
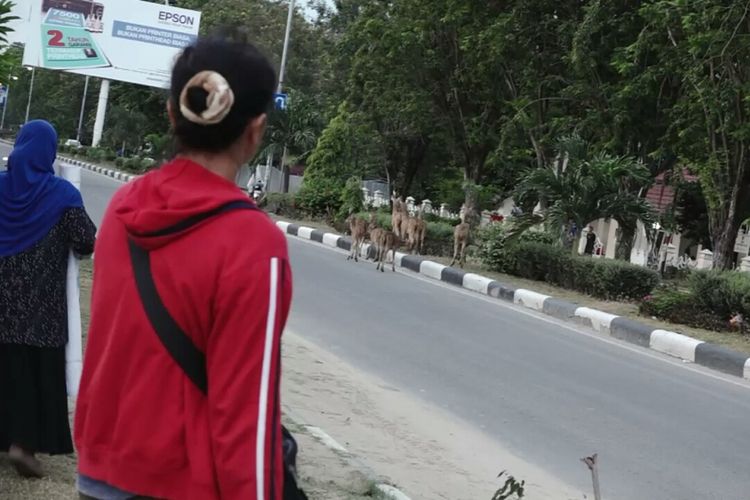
<point>460,241</point>
<point>358,230</point>
<point>416,230</point>
<point>384,241</point>
<point>399,216</point>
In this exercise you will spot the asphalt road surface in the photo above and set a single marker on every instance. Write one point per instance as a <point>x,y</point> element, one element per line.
<point>549,392</point>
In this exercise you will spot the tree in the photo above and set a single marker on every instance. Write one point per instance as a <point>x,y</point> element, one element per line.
<point>293,132</point>
<point>581,188</point>
<point>383,89</point>
<point>127,128</point>
<point>703,46</point>
<point>6,7</point>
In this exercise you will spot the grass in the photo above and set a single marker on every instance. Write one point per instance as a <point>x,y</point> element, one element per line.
<point>626,309</point>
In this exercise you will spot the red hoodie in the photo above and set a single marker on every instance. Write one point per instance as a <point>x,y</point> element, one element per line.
<point>141,425</point>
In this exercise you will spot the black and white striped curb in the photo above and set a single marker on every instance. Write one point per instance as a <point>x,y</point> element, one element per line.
<point>115,174</point>
<point>674,344</point>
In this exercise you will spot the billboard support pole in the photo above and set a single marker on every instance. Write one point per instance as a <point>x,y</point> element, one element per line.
<point>31,93</point>
<point>101,112</point>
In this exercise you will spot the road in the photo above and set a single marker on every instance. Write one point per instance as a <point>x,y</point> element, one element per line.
<point>549,392</point>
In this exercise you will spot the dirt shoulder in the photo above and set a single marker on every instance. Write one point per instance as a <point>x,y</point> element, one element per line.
<point>626,309</point>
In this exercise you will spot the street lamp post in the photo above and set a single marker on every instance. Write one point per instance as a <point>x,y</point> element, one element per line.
<point>285,52</point>
<point>282,71</point>
<point>31,92</point>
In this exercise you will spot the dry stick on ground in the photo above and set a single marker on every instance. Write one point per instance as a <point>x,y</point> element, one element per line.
<point>358,230</point>
<point>593,465</point>
<point>460,242</point>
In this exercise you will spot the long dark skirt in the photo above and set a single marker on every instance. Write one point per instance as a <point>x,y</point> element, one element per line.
<point>33,399</point>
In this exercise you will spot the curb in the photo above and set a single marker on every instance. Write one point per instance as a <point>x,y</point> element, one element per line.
<point>387,491</point>
<point>674,344</point>
<point>115,174</point>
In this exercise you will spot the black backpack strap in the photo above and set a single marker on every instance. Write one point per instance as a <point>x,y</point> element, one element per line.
<point>177,343</point>
<point>181,348</point>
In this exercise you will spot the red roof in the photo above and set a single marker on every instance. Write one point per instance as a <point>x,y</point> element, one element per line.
<point>661,196</point>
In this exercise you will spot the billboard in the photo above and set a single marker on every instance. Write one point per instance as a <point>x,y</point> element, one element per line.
<point>126,40</point>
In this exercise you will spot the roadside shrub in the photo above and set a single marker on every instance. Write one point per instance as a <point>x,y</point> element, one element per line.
<point>62,148</point>
<point>119,162</point>
<point>95,154</point>
<point>612,279</point>
<point>723,293</point>
<point>281,204</point>
<point>603,278</point>
<point>439,239</point>
<point>320,197</point>
<point>133,165</point>
<point>680,307</point>
<point>383,219</point>
<point>147,164</point>
<point>493,249</point>
<point>351,198</point>
<point>110,154</point>
<point>492,252</point>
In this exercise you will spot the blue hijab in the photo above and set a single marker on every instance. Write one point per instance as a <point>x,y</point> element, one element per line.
<point>32,199</point>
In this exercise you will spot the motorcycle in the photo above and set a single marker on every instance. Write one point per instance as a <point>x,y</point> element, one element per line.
<point>258,191</point>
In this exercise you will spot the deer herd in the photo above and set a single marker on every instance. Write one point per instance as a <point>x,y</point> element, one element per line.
<point>407,230</point>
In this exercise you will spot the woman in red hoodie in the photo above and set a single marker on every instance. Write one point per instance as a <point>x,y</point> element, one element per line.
<point>180,390</point>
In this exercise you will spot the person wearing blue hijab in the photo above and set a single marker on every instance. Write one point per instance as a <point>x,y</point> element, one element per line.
<point>42,219</point>
<point>32,199</point>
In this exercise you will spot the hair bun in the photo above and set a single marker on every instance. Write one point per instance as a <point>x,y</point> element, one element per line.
<point>219,101</point>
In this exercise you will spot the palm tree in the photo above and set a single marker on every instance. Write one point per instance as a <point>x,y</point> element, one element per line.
<point>6,7</point>
<point>293,132</point>
<point>580,188</point>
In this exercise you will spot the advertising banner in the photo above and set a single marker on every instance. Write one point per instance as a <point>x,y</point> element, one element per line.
<point>125,40</point>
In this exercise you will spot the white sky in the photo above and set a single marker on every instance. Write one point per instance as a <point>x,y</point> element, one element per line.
<point>22,6</point>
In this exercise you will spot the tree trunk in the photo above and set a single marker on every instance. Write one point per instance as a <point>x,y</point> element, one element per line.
<point>723,243</point>
<point>284,172</point>
<point>625,240</point>
<point>471,198</point>
<point>725,221</point>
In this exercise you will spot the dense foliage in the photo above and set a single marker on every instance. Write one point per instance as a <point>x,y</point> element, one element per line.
<point>468,102</point>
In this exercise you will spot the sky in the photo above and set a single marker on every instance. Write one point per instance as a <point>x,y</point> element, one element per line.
<point>22,6</point>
